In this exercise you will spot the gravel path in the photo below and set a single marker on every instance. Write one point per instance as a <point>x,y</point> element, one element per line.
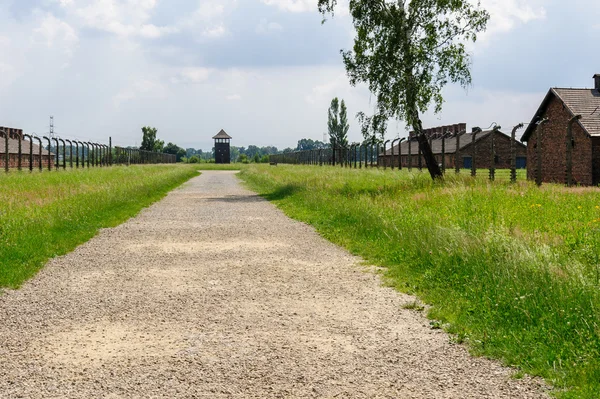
<point>214,293</point>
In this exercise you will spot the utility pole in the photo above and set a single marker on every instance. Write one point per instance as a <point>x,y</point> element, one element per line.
<point>51,127</point>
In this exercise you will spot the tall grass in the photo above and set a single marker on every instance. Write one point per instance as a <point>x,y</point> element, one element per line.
<point>43,215</point>
<point>216,166</point>
<point>511,270</point>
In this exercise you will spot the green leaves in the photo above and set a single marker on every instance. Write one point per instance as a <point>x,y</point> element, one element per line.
<point>337,123</point>
<point>148,138</point>
<point>407,51</point>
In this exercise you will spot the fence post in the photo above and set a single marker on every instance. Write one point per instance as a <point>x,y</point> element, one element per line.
<point>444,153</point>
<point>70,153</point>
<point>64,154</point>
<point>40,152</point>
<point>392,152</point>
<point>570,149</point>
<point>493,155</point>
<point>110,155</point>
<point>474,151</point>
<point>513,153</point>
<point>409,154</point>
<point>49,153</point>
<point>331,158</point>
<point>6,150</point>
<point>96,154</point>
<point>30,151</point>
<point>538,138</point>
<point>76,154</point>
<point>385,154</point>
<point>420,161</point>
<point>89,152</point>
<point>82,154</point>
<point>20,151</point>
<point>457,153</point>
<point>400,152</point>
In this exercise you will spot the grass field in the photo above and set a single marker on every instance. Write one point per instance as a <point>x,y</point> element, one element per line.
<point>511,270</point>
<point>43,215</point>
<point>213,166</point>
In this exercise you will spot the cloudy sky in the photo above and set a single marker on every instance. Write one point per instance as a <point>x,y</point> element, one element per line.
<point>264,70</point>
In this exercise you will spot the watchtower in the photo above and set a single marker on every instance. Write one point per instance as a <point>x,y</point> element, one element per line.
<point>222,150</point>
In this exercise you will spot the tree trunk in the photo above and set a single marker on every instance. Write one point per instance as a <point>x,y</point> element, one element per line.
<point>432,165</point>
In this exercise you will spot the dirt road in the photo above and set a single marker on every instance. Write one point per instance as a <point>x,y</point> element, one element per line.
<point>214,293</point>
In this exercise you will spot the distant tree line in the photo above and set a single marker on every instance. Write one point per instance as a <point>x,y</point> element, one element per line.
<point>250,154</point>
<point>151,143</point>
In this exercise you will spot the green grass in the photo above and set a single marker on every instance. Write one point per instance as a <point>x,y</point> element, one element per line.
<point>43,215</point>
<point>511,270</point>
<point>214,166</point>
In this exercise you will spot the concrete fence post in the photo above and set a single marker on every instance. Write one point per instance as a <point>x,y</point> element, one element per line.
<point>20,151</point>
<point>400,152</point>
<point>474,152</point>
<point>420,160</point>
<point>513,154</point>
<point>6,151</point>
<point>538,138</point>
<point>443,154</point>
<point>457,159</point>
<point>569,171</point>
<point>41,166</point>
<point>70,153</point>
<point>409,155</point>
<point>49,153</point>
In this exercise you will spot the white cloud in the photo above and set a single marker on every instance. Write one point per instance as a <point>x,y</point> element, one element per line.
<point>122,18</point>
<point>147,87</point>
<point>55,34</point>
<point>507,14</point>
<point>265,27</point>
<point>215,31</point>
<point>209,10</point>
<point>234,97</point>
<point>192,75</point>
<point>207,20</point>
<point>293,5</point>
<point>328,90</point>
<point>153,32</point>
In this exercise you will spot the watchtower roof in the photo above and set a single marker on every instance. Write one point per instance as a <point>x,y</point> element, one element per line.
<point>222,135</point>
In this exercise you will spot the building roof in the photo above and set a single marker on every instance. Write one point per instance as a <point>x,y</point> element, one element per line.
<point>584,102</point>
<point>222,135</point>
<point>436,144</point>
<point>13,147</point>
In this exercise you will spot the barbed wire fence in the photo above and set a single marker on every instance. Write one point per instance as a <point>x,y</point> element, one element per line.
<point>500,154</point>
<point>21,151</point>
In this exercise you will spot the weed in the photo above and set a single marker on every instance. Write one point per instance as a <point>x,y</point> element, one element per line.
<point>511,268</point>
<point>43,215</point>
<point>414,305</point>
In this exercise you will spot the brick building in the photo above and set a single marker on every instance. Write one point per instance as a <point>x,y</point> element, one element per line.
<point>14,137</point>
<point>445,140</point>
<point>559,106</point>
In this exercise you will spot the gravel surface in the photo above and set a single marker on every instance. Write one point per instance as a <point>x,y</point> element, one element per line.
<point>214,293</point>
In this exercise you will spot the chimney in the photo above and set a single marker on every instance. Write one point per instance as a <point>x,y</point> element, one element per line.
<point>597,81</point>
